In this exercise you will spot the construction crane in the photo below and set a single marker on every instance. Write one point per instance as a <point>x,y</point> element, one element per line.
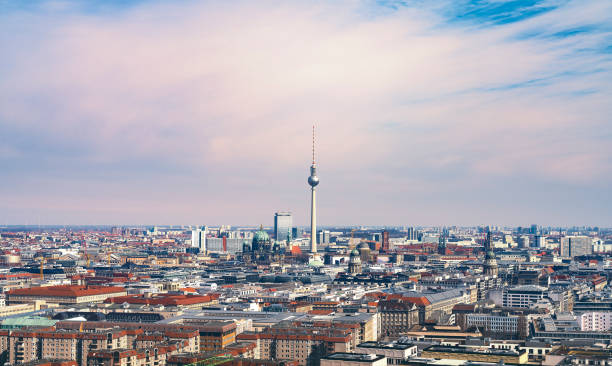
<point>42,267</point>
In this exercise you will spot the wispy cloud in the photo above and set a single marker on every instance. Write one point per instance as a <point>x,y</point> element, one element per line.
<point>200,112</point>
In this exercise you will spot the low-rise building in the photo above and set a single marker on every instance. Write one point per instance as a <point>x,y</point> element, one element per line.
<point>353,359</point>
<point>396,353</point>
<point>475,355</point>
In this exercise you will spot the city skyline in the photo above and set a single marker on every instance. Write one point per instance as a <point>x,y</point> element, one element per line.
<point>446,113</point>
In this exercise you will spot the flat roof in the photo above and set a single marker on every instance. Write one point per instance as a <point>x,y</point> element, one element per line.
<point>381,345</point>
<point>354,357</point>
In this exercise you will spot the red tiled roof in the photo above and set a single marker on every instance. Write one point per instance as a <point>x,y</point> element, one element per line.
<point>419,301</point>
<point>66,291</point>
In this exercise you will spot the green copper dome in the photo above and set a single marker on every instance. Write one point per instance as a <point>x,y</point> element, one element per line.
<point>261,236</point>
<point>260,239</point>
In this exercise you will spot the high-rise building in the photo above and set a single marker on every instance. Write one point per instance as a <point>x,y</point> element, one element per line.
<point>574,246</point>
<point>198,239</point>
<point>385,241</point>
<point>324,237</point>
<point>523,242</point>
<point>296,233</point>
<point>539,241</point>
<point>283,224</point>
<point>412,234</point>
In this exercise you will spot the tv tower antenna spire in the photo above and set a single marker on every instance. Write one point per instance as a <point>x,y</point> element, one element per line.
<point>313,144</point>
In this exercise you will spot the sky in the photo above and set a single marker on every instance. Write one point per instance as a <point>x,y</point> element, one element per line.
<point>454,112</point>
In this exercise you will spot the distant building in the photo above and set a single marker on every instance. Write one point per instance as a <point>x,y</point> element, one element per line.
<point>442,244</point>
<point>490,267</point>
<point>324,237</point>
<point>283,225</point>
<point>186,301</point>
<point>198,239</point>
<point>397,316</point>
<point>412,234</point>
<point>64,294</point>
<point>296,233</point>
<point>396,353</point>
<point>539,241</point>
<point>299,343</point>
<point>224,245</point>
<point>523,296</point>
<point>385,241</point>
<point>469,354</point>
<point>523,242</point>
<point>498,325</point>
<point>574,246</point>
<point>354,265</point>
<point>353,359</point>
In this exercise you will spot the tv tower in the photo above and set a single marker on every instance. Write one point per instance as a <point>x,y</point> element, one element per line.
<point>313,181</point>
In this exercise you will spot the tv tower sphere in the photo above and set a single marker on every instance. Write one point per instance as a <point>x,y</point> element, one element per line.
<point>313,180</point>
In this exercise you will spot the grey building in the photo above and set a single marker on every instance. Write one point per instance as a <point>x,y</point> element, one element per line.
<point>283,225</point>
<point>324,237</point>
<point>574,246</point>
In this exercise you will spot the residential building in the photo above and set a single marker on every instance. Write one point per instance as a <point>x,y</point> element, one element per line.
<point>595,321</point>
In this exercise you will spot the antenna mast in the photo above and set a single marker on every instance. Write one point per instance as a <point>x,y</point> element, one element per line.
<point>313,145</point>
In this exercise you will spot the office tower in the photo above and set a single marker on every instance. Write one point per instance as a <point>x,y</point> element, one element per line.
<point>283,223</point>
<point>376,237</point>
<point>412,234</point>
<point>523,242</point>
<point>313,181</point>
<point>490,264</point>
<point>385,241</point>
<point>324,237</point>
<point>574,246</point>
<point>539,241</point>
<point>296,233</point>
<point>533,229</point>
<point>198,239</point>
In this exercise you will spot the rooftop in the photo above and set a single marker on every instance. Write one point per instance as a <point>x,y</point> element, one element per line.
<point>353,357</point>
<point>65,291</point>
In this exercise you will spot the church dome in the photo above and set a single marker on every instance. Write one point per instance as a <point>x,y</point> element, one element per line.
<point>363,246</point>
<point>261,237</point>
<point>261,240</point>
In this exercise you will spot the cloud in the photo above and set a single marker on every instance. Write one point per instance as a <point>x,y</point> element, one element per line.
<point>201,112</point>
